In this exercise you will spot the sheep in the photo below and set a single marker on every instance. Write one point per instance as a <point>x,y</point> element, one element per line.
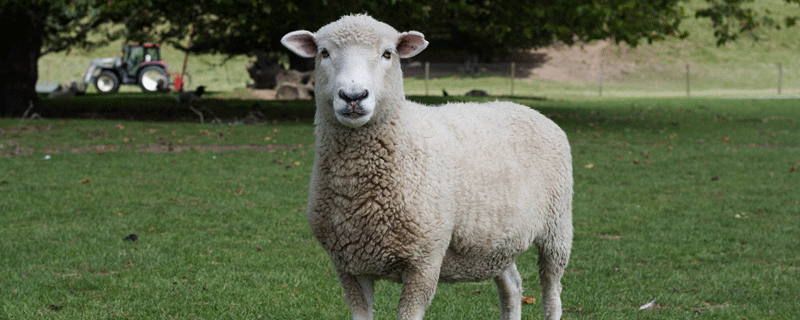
<point>419,195</point>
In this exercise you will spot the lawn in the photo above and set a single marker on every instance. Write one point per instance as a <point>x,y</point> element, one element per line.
<point>692,202</point>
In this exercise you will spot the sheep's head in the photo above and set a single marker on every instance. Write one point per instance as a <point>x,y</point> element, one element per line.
<point>357,65</point>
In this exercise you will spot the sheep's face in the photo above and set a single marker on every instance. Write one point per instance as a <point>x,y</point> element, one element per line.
<point>358,65</point>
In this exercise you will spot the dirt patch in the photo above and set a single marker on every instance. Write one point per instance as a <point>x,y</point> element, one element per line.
<point>164,148</point>
<point>157,148</point>
<point>579,63</point>
<point>261,94</point>
<point>251,94</point>
<point>26,129</point>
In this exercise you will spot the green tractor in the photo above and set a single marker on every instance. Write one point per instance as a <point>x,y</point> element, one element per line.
<point>140,64</point>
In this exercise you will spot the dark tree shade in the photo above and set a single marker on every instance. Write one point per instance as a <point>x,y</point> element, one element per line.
<point>35,27</point>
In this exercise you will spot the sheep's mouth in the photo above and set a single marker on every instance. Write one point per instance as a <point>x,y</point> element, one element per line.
<point>353,111</point>
<point>353,115</point>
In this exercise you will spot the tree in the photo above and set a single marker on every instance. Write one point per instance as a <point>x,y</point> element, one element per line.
<point>40,27</point>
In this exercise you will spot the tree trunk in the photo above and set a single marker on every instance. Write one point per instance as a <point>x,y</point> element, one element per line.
<point>19,57</point>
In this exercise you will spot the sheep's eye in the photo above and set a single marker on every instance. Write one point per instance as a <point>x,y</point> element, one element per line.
<point>325,53</point>
<point>387,54</point>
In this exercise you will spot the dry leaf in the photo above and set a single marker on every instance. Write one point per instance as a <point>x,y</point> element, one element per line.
<point>259,248</point>
<point>85,181</point>
<point>297,163</point>
<point>121,127</point>
<point>152,229</point>
<point>589,166</point>
<point>239,191</point>
<point>529,300</point>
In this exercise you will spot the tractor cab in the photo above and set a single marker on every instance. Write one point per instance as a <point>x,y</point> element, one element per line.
<point>134,55</point>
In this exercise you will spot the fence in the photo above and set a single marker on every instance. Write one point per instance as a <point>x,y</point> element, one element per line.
<point>610,79</point>
<point>589,79</point>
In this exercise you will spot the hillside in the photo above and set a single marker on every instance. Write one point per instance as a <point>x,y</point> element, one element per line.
<point>748,65</point>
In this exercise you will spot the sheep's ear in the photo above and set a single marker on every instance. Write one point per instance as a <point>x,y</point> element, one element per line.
<point>410,43</point>
<point>301,42</point>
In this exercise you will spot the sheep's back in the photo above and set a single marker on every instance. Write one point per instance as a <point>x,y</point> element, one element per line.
<point>510,169</point>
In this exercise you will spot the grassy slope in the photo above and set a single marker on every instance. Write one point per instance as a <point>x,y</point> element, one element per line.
<point>746,67</point>
<point>745,64</point>
<point>692,202</point>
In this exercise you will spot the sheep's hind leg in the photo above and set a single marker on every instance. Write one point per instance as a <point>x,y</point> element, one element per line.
<point>358,291</point>
<point>419,286</point>
<point>553,258</point>
<point>509,288</point>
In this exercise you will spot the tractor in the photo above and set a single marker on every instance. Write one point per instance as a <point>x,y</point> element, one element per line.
<point>140,64</point>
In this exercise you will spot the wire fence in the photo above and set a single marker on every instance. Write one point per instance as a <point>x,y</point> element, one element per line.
<point>589,79</point>
<point>611,79</point>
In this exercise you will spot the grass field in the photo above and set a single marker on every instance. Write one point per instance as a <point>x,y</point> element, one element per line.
<point>692,202</point>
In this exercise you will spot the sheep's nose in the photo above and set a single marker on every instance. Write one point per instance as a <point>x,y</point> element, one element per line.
<point>351,97</point>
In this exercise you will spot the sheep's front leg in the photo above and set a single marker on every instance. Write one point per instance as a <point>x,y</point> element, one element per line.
<point>358,291</point>
<point>509,288</point>
<point>418,289</point>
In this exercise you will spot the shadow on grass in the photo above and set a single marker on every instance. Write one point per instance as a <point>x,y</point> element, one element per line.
<point>163,107</point>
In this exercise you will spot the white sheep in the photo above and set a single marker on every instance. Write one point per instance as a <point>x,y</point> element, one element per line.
<point>421,195</point>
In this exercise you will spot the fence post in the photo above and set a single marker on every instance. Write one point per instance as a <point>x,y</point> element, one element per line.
<point>688,86</point>
<point>427,72</point>
<point>780,76</point>
<point>601,79</point>
<point>513,67</point>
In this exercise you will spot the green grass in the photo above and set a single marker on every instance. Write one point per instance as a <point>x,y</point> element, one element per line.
<point>689,201</point>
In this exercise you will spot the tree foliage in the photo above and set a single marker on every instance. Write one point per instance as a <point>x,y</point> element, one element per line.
<point>730,18</point>
<point>486,28</point>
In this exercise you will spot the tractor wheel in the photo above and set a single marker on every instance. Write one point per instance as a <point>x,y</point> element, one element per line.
<point>150,77</point>
<point>107,82</point>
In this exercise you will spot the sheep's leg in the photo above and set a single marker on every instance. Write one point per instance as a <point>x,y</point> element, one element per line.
<point>554,253</point>
<point>418,289</point>
<point>509,288</point>
<point>358,291</point>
